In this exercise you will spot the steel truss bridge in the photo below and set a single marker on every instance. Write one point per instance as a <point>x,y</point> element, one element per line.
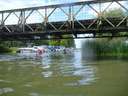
<point>65,21</point>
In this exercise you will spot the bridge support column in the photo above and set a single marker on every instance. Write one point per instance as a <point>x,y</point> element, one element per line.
<point>2,20</point>
<point>45,20</point>
<point>127,22</point>
<point>21,21</point>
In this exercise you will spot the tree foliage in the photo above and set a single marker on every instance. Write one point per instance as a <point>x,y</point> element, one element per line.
<point>62,42</point>
<point>118,12</point>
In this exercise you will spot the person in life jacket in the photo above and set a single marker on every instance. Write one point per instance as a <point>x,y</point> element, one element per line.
<point>39,52</point>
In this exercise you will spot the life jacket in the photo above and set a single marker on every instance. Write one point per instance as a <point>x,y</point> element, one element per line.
<point>39,51</point>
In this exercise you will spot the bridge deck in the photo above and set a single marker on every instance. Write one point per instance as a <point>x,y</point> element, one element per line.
<point>67,29</point>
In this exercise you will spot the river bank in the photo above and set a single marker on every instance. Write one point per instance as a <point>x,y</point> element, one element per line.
<point>107,48</point>
<point>8,50</point>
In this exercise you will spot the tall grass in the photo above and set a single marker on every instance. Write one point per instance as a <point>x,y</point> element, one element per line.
<point>105,47</point>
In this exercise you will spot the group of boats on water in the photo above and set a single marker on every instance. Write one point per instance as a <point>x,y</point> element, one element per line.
<point>42,51</point>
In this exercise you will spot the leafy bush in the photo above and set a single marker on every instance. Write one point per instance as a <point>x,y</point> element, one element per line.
<point>4,49</point>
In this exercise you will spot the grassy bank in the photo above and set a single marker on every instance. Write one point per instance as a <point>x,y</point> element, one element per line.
<point>105,47</point>
<point>4,49</point>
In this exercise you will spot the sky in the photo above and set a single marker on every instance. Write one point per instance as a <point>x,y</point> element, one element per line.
<point>13,4</point>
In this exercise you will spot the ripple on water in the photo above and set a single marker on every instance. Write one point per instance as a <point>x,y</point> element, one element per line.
<point>28,85</point>
<point>45,67</point>
<point>5,81</point>
<point>86,81</point>
<point>86,74</point>
<point>6,90</point>
<point>9,57</point>
<point>47,74</point>
<point>34,94</point>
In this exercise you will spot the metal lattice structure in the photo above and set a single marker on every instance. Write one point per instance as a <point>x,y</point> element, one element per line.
<point>87,17</point>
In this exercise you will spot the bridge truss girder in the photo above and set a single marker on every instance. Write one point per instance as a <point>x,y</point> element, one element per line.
<point>70,25</point>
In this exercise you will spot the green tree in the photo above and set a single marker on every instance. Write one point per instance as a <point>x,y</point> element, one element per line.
<point>63,42</point>
<point>118,12</point>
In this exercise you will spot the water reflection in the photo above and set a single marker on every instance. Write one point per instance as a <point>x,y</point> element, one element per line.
<point>34,77</point>
<point>9,57</point>
<point>5,81</point>
<point>34,94</point>
<point>6,90</point>
<point>47,74</point>
<point>68,66</point>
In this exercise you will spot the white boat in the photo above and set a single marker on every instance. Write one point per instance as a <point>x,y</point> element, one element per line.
<point>43,51</point>
<point>30,52</point>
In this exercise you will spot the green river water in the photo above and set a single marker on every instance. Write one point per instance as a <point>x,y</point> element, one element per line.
<point>67,75</point>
